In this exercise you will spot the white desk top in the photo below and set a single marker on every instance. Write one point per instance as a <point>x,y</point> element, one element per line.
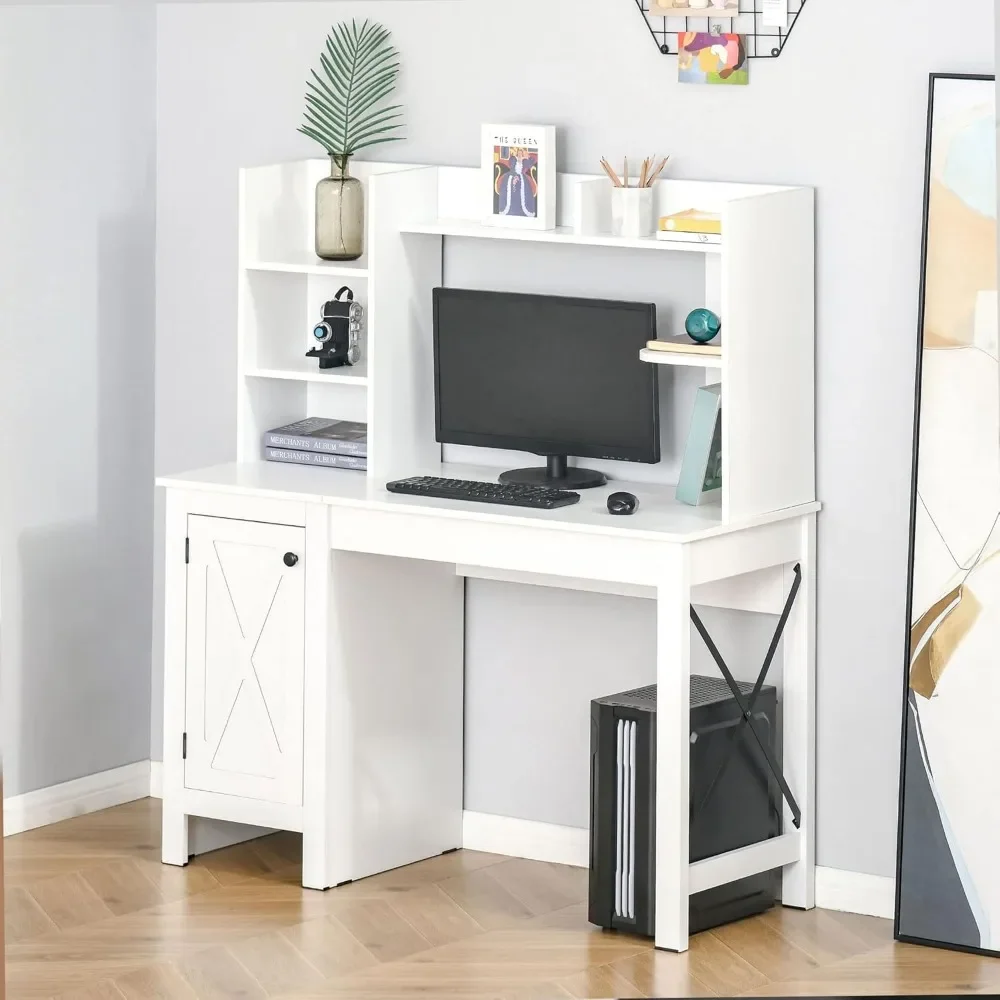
<point>659,517</point>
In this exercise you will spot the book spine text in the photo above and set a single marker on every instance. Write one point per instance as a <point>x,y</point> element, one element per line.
<point>316,458</point>
<point>358,449</point>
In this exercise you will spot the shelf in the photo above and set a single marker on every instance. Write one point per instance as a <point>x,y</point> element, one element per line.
<point>679,360</point>
<point>310,372</point>
<point>307,263</point>
<point>564,235</point>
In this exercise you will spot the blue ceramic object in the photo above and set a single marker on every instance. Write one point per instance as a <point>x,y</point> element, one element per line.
<point>702,325</point>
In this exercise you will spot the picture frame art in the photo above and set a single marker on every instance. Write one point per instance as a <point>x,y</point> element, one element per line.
<point>948,867</point>
<point>706,57</point>
<point>519,176</point>
<point>700,480</point>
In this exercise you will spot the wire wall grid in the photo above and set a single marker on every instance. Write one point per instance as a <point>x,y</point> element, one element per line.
<point>762,42</point>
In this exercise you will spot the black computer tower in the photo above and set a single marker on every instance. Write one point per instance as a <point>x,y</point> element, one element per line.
<point>742,805</point>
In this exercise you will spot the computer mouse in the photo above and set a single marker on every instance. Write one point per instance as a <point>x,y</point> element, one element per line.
<point>622,503</point>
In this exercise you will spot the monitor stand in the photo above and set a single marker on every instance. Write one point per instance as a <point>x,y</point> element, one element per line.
<point>556,474</point>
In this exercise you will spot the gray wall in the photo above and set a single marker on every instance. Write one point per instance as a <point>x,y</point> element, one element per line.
<point>843,109</point>
<point>76,382</point>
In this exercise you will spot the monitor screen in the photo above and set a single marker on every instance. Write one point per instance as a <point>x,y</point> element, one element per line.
<point>547,375</point>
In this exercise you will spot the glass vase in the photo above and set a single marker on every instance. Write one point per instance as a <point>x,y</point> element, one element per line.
<point>340,213</point>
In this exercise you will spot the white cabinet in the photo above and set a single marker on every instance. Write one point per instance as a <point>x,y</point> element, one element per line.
<point>244,659</point>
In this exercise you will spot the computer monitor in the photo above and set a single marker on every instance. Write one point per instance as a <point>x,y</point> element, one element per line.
<point>548,375</point>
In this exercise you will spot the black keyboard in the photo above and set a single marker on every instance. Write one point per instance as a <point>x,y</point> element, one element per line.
<point>510,494</point>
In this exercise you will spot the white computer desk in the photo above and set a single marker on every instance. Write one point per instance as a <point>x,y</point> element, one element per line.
<point>384,646</point>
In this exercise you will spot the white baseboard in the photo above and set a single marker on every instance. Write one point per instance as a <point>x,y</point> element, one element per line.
<point>524,838</point>
<point>75,798</point>
<point>850,892</point>
<point>855,892</point>
<point>156,779</point>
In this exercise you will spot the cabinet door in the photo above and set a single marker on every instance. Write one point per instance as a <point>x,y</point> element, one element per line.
<point>245,620</point>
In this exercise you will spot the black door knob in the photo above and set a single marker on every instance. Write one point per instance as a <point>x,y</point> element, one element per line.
<point>291,559</point>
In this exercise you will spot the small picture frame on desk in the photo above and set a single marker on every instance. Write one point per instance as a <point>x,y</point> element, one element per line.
<point>701,469</point>
<point>519,176</point>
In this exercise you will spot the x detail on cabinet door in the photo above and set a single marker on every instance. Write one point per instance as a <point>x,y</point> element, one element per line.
<point>244,669</point>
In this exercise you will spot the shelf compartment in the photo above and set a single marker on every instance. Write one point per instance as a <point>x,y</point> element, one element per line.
<point>563,235</point>
<point>280,312</point>
<point>273,402</point>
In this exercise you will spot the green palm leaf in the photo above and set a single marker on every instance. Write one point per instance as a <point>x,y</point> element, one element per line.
<point>345,109</point>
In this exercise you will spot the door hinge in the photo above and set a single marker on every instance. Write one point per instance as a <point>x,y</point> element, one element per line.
<point>187,550</point>
<point>184,747</point>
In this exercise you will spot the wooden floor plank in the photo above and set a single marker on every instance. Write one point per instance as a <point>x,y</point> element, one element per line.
<point>661,974</point>
<point>217,975</point>
<point>276,964</point>
<point>598,981</point>
<point>541,887</point>
<point>155,982</point>
<point>720,968</point>
<point>769,952</point>
<point>68,901</point>
<point>23,917</point>
<point>104,990</point>
<point>383,932</point>
<point>122,887</point>
<point>485,899</point>
<point>329,947</point>
<point>434,915</point>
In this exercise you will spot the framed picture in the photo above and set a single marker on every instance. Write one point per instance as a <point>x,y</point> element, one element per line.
<point>694,8</point>
<point>703,57</point>
<point>948,867</point>
<point>519,176</point>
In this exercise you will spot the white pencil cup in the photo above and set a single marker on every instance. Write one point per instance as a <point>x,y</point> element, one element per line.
<point>632,212</point>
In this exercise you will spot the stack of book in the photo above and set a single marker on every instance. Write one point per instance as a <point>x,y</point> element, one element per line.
<point>335,444</point>
<point>691,226</point>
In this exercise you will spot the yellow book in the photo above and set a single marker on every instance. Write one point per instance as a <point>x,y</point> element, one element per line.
<point>692,221</point>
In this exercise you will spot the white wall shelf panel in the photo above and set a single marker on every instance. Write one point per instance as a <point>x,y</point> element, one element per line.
<point>308,372</point>
<point>563,234</point>
<point>680,360</point>
<point>305,265</point>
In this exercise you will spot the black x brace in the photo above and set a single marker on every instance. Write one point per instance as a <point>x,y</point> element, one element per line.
<point>747,706</point>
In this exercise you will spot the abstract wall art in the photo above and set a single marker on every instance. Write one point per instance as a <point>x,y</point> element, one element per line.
<point>948,874</point>
<point>705,57</point>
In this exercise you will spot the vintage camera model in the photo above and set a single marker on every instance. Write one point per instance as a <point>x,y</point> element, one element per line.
<point>338,334</point>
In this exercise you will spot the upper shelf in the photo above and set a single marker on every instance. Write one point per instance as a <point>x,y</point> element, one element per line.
<point>562,234</point>
<point>679,360</point>
<point>307,370</point>
<point>307,263</point>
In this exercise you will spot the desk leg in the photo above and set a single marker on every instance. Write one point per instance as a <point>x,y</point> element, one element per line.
<point>673,753</point>
<point>326,732</point>
<point>175,848</point>
<point>798,882</point>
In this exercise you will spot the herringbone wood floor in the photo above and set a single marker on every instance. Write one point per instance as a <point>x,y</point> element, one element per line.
<point>92,915</point>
